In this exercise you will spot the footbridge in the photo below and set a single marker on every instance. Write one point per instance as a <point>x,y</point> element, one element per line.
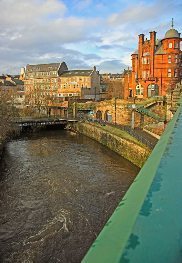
<point>145,109</point>
<point>40,122</point>
<point>146,227</point>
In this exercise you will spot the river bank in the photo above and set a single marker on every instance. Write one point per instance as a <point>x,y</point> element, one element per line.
<point>1,148</point>
<point>12,133</point>
<point>116,140</point>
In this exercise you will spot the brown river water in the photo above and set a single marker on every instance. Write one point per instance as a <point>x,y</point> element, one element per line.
<point>57,190</point>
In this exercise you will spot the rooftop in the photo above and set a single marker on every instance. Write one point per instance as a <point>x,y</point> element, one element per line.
<point>76,72</point>
<point>43,67</point>
<point>172,33</point>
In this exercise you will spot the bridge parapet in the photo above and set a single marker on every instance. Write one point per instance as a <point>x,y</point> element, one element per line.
<point>146,225</point>
<point>43,121</point>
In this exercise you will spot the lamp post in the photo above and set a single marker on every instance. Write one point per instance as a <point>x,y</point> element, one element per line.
<point>171,98</point>
<point>115,108</point>
<point>133,106</point>
<point>128,83</point>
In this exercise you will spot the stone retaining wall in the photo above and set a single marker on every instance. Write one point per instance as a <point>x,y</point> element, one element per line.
<point>129,150</point>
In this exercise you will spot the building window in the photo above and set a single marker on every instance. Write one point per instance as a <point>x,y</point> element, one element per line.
<point>170,45</point>
<point>169,73</point>
<point>176,73</point>
<point>169,59</point>
<point>139,90</point>
<point>144,74</point>
<point>176,45</point>
<point>145,60</point>
<point>176,58</point>
<point>153,90</point>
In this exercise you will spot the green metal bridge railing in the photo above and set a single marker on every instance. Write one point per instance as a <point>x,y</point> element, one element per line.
<point>145,111</point>
<point>146,227</point>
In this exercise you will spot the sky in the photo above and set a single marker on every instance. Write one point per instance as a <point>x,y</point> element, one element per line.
<point>83,33</point>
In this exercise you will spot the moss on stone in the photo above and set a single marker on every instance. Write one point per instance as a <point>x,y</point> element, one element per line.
<point>118,141</point>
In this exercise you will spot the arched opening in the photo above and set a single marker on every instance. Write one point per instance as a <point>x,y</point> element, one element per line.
<point>153,90</point>
<point>139,91</point>
<point>107,116</point>
<point>99,115</point>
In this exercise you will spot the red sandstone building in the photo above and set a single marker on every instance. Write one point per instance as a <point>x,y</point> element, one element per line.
<point>156,66</point>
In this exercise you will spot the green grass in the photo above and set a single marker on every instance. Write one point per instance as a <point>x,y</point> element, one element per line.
<point>120,133</point>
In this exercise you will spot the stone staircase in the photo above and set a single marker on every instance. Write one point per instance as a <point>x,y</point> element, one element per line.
<point>145,111</point>
<point>173,97</point>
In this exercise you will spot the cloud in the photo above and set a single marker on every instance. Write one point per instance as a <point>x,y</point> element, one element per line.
<point>144,12</point>
<point>111,66</point>
<point>14,59</point>
<point>82,4</point>
<point>21,13</point>
<point>37,30</point>
<point>115,46</point>
<point>81,32</point>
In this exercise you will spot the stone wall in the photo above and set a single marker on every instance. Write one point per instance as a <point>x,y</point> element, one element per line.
<point>129,150</point>
<point>117,108</point>
<point>121,114</point>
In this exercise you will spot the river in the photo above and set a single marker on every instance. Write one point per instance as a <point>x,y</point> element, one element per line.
<point>57,190</point>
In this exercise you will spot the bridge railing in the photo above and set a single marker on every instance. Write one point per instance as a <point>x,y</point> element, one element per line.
<point>146,226</point>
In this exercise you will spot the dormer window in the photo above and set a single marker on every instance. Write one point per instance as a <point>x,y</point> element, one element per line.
<point>170,45</point>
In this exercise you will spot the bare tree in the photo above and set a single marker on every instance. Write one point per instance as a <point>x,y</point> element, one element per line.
<point>115,88</point>
<point>7,112</point>
<point>40,101</point>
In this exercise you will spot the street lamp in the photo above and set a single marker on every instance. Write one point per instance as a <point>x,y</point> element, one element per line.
<point>115,110</point>
<point>133,106</point>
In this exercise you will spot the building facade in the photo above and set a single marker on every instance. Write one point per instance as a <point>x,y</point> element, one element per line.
<point>14,89</point>
<point>80,84</point>
<point>41,85</point>
<point>156,66</point>
<point>50,87</point>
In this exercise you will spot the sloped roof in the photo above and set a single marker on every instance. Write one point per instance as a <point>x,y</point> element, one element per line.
<point>43,67</point>
<point>159,48</point>
<point>18,81</point>
<point>76,72</point>
<point>7,83</point>
<point>135,52</point>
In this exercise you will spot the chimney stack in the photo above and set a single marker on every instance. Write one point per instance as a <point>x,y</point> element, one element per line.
<point>152,51</point>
